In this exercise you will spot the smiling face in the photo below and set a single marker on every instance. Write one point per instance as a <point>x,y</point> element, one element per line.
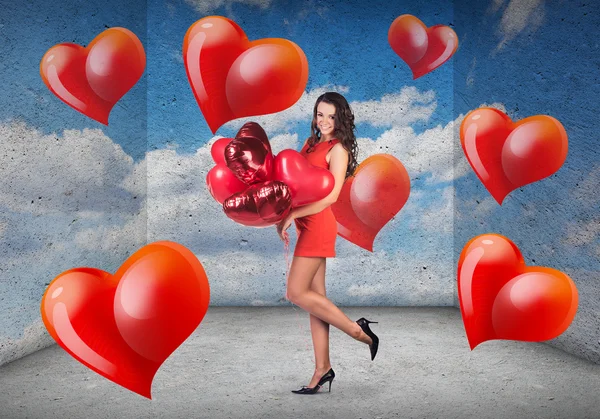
<point>326,120</point>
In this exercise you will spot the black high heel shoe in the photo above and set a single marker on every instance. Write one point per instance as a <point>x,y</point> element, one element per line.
<point>364,325</point>
<point>329,376</point>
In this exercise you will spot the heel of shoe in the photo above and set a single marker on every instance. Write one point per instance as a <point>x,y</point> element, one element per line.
<point>330,385</point>
<point>364,325</point>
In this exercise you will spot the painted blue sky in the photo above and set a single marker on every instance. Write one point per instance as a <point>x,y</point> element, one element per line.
<point>535,57</point>
<point>356,56</point>
<point>527,56</point>
<point>549,63</point>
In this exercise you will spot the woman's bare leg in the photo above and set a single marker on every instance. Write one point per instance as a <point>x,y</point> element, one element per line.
<point>302,272</point>
<point>319,330</point>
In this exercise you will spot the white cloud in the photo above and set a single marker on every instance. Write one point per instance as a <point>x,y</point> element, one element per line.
<point>239,260</point>
<point>430,151</point>
<point>282,121</point>
<point>584,228</point>
<point>205,6</point>
<point>177,56</point>
<point>470,80</point>
<point>396,109</point>
<point>439,215</point>
<point>285,141</point>
<point>76,171</point>
<point>88,209</point>
<point>585,188</point>
<point>480,208</point>
<point>391,278</point>
<point>518,16</point>
<point>107,237</point>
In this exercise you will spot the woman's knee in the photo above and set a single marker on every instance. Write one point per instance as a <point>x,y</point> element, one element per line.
<point>294,296</point>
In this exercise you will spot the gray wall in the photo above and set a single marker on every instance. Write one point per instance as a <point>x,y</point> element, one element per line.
<point>75,193</point>
<point>70,196</point>
<point>537,57</point>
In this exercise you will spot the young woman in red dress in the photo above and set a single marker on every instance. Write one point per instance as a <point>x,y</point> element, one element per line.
<point>332,145</point>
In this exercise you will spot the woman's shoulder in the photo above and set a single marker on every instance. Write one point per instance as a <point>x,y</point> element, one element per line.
<point>337,144</point>
<point>337,151</point>
<point>338,148</point>
<point>305,144</point>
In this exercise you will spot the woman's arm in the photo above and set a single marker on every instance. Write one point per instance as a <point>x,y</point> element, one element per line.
<point>338,165</point>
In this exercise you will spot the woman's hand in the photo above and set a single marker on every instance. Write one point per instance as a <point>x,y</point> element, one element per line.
<point>284,225</point>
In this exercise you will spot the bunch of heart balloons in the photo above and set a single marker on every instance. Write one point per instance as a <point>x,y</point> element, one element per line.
<point>257,188</point>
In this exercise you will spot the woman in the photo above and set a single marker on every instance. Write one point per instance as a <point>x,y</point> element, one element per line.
<point>332,145</point>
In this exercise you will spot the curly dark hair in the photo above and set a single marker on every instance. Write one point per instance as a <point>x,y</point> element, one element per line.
<point>344,127</point>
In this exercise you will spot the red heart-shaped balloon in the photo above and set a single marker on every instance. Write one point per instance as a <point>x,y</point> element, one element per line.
<point>349,226</point>
<point>307,183</point>
<point>371,198</point>
<point>124,326</point>
<point>222,183</point>
<point>254,130</point>
<point>423,49</point>
<point>232,77</point>
<point>249,155</point>
<point>93,79</point>
<point>261,205</point>
<point>217,151</point>
<point>502,298</point>
<point>507,155</point>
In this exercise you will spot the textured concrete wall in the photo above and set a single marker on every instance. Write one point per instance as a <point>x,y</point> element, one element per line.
<point>347,50</point>
<point>530,58</point>
<point>101,174</point>
<point>76,193</point>
<point>71,193</point>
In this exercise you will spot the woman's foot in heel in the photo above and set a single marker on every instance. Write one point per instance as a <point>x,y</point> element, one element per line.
<point>374,345</point>
<point>323,379</point>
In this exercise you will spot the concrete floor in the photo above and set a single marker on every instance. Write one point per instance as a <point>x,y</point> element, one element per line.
<point>243,362</point>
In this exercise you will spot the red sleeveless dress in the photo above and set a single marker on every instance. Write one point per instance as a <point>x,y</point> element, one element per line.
<point>317,232</point>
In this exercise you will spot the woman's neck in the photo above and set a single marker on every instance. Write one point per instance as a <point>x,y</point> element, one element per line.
<point>328,137</point>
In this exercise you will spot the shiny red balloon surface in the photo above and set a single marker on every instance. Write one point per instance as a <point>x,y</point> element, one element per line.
<point>261,205</point>
<point>371,198</point>
<point>249,155</point>
<point>307,183</point>
<point>232,77</point>
<point>423,49</point>
<point>93,79</point>
<point>502,298</point>
<point>124,326</point>
<point>507,155</point>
